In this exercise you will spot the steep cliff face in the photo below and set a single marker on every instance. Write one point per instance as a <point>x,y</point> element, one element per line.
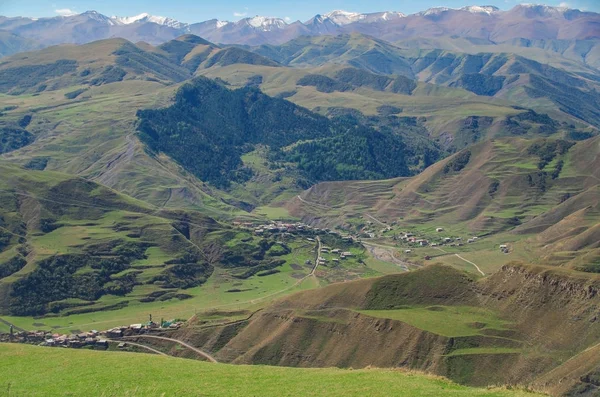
<point>553,308</point>
<point>558,314</point>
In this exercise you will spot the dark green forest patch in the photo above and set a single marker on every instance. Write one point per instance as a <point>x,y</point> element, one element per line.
<point>210,127</point>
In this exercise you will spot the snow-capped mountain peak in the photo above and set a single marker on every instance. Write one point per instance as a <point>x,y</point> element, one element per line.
<point>265,23</point>
<point>145,17</point>
<point>542,10</point>
<point>341,17</point>
<point>481,9</point>
<point>389,15</point>
<point>382,16</point>
<point>472,9</point>
<point>434,11</point>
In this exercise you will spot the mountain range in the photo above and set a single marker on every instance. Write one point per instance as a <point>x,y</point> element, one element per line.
<point>487,23</point>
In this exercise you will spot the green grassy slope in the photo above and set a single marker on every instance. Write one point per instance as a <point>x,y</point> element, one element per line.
<point>75,246</point>
<point>110,374</point>
<point>578,56</point>
<point>81,117</point>
<point>452,117</point>
<point>354,49</point>
<point>209,128</point>
<point>81,255</point>
<point>93,136</point>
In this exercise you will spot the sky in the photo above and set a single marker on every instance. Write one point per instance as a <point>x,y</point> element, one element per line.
<point>231,10</point>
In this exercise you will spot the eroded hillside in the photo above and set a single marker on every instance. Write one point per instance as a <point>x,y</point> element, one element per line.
<point>511,328</point>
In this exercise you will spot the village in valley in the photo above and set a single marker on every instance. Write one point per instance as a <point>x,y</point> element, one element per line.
<point>406,243</point>
<point>407,249</point>
<point>93,339</point>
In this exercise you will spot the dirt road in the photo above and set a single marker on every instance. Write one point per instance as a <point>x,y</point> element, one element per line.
<point>376,220</point>
<point>319,248</point>
<point>311,203</point>
<point>468,261</point>
<point>461,258</point>
<point>200,352</point>
<point>386,255</point>
<point>142,346</point>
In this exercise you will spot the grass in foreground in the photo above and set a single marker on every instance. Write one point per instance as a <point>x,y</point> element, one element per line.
<point>36,371</point>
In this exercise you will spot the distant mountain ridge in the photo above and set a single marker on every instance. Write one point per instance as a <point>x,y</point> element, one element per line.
<point>532,22</point>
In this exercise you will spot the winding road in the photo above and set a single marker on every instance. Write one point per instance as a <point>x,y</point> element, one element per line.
<point>311,203</point>
<point>460,257</point>
<point>200,352</point>
<point>468,261</point>
<point>142,346</point>
<point>376,220</point>
<point>314,269</point>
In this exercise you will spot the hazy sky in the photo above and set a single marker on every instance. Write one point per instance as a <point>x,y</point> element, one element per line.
<point>200,10</point>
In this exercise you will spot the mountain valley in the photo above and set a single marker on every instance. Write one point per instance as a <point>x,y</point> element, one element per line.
<point>358,190</point>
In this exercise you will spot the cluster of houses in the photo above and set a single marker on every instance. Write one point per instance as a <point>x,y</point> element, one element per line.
<point>92,339</point>
<point>137,329</point>
<point>261,229</point>
<point>43,338</point>
<point>328,250</point>
<point>449,241</point>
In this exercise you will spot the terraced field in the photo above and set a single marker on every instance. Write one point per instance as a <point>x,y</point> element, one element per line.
<point>451,321</point>
<point>504,195</point>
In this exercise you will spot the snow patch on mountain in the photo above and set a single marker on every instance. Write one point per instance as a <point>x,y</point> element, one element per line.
<point>472,9</point>
<point>95,16</point>
<point>433,11</point>
<point>542,9</point>
<point>481,9</point>
<point>340,17</point>
<point>265,24</point>
<point>390,15</point>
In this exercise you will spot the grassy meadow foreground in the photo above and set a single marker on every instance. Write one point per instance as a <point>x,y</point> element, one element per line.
<point>92,373</point>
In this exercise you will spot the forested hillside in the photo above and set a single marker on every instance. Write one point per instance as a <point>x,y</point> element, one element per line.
<point>210,127</point>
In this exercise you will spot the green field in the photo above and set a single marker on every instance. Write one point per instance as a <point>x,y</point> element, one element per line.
<point>62,372</point>
<point>451,321</point>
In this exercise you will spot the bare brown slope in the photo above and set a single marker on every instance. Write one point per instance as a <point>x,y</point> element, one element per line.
<point>340,338</point>
<point>554,312</point>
